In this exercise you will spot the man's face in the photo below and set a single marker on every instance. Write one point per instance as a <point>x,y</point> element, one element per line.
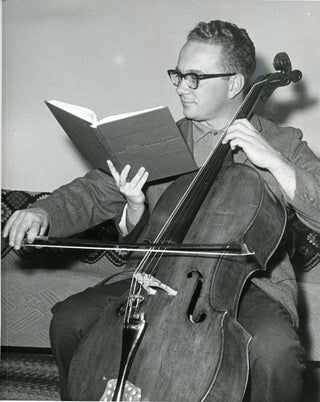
<point>210,101</point>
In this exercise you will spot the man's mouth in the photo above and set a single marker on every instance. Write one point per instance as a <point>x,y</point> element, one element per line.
<point>186,102</point>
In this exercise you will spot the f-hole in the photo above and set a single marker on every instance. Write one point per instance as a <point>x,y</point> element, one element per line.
<point>195,298</point>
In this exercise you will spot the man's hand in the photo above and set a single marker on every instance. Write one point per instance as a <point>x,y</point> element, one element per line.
<point>30,222</point>
<point>132,190</point>
<point>242,134</point>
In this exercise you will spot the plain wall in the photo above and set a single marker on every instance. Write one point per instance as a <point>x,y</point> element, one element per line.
<point>112,56</point>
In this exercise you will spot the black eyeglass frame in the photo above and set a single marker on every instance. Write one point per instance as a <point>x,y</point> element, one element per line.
<point>198,77</point>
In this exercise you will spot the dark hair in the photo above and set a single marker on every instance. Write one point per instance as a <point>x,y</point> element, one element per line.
<point>237,48</point>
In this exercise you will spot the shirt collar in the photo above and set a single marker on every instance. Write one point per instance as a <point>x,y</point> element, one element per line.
<point>202,130</point>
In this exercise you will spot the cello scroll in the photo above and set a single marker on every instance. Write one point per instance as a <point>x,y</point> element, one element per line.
<point>284,77</point>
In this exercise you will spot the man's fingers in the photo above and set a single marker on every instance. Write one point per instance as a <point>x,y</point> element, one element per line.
<point>20,234</point>
<point>34,231</point>
<point>239,135</point>
<point>245,122</point>
<point>137,177</point>
<point>14,228</point>
<point>131,190</point>
<point>113,171</point>
<point>122,178</point>
<point>23,222</point>
<point>9,223</point>
<point>242,124</point>
<point>143,180</point>
<point>241,128</point>
<point>239,142</point>
<point>43,228</point>
<point>124,175</point>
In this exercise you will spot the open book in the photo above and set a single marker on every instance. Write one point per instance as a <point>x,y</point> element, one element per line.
<point>148,138</point>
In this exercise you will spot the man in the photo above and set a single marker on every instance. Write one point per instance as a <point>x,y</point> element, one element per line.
<point>213,72</point>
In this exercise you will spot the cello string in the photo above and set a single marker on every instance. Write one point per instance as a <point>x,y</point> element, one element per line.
<point>163,235</point>
<point>215,154</point>
<point>147,262</point>
<point>219,152</point>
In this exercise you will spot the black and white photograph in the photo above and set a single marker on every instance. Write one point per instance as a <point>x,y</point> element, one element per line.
<point>160,201</point>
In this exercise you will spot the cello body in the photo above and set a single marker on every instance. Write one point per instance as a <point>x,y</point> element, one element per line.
<point>193,348</point>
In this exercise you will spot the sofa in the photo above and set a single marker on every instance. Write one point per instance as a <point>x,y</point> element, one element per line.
<point>33,280</point>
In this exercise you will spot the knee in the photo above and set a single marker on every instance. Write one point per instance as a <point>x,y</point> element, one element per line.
<point>72,317</point>
<point>64,318</point>
<point>278,351</point>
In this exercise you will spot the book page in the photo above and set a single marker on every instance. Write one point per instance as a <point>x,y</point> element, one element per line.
<point>79,111</point>
<point>125,115</point>
<point>91,117</point>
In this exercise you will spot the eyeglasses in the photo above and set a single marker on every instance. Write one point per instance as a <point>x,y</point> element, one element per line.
<point>192,79</point>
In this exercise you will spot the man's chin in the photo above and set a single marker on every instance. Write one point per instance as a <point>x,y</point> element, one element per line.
<point>189,113</point>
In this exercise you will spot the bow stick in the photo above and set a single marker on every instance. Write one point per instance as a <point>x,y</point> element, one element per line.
<point>184,249</point>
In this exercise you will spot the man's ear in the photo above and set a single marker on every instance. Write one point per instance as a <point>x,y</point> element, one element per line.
<point>236,84</point>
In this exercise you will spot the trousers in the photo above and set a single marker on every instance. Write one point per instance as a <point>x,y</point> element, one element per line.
<point>275,354</point>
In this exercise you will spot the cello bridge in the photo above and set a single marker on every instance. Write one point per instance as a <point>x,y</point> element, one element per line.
<point>131,391</point>
<point>150,283</point>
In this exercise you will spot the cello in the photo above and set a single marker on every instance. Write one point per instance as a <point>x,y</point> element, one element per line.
<point>183,341</point>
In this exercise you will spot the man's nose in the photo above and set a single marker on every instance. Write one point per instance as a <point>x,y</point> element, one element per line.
<point>182,88</point>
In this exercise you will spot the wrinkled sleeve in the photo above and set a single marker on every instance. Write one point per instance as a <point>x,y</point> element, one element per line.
<point>306,201</point>
<point>82,204</point>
